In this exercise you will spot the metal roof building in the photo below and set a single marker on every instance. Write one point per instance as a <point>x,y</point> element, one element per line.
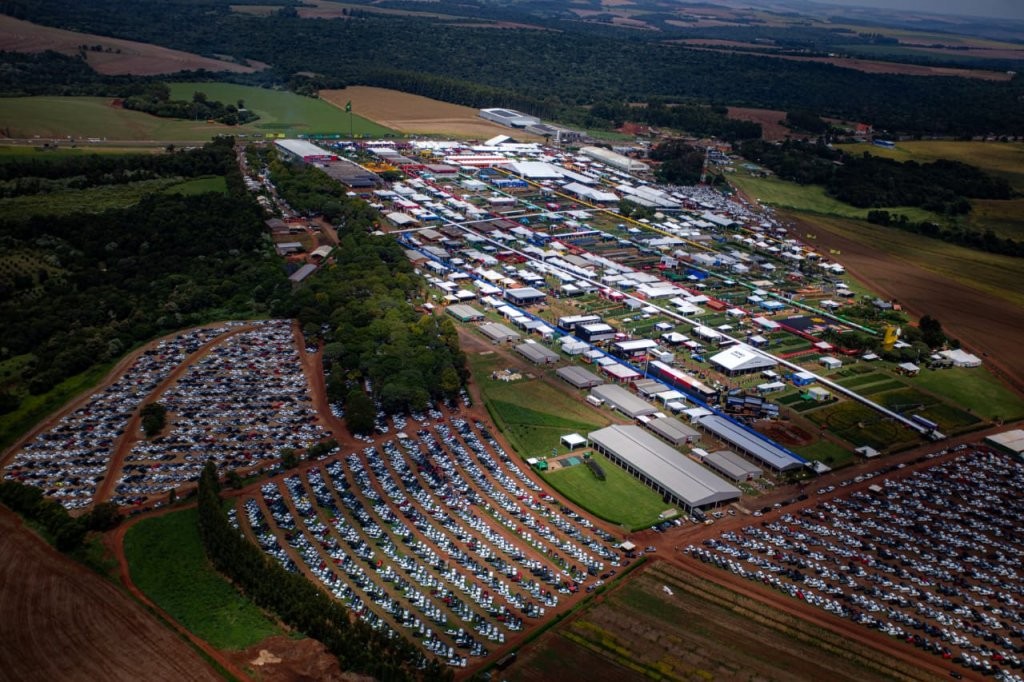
<point>536,353</point>
<point>464,313</point>
<point>499,333</point>
<point>579,377</point>
<point>622,400</point>
<point>678,478</point>
<point>674,431</point>
<point>509,117</point>
<point>301,150</point>
<point>760,448</point>
<point>741,359</point>
<point>302,273</point>
<point>731,465</point>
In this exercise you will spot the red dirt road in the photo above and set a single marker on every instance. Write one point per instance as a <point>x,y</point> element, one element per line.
<point>61,621</point>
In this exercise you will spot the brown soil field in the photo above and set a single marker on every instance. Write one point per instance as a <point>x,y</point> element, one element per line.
<point>771,129</point>
<point>61,621</point>
<point>281,659</point>
<point>785,434</point>
<point>983,323</point>
<point>140,59</point>
<point>419,115</point>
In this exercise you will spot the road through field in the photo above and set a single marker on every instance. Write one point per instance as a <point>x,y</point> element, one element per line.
<point>63,622</point>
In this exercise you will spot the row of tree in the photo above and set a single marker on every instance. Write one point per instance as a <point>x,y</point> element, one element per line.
<point>974,239</point>
<point>156,100</point>
<point>66,532</point>
<point>300,604</point>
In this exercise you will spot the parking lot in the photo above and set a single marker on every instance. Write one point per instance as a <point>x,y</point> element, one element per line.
<point>930,559</point>
<point>436,531</point>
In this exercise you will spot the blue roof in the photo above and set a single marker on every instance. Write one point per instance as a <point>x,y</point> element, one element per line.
<point>756,445</point>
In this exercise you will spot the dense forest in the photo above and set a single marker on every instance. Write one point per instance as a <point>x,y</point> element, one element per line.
<point>83,289</point>
<point>362,304</point>
<point>680,163</point>
<point>300,604</point>
<point>581,67</point>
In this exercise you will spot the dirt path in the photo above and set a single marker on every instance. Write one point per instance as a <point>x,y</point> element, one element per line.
<point>62,621</point>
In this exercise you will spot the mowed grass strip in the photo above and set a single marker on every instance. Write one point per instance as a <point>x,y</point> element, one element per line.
<point>167,562</point>
<point>534,432</point>
<point>620,498</point>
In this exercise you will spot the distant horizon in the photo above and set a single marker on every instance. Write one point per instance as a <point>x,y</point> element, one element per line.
<point>989,9</point>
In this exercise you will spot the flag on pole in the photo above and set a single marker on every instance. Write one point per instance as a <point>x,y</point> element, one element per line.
<point>348,107</point>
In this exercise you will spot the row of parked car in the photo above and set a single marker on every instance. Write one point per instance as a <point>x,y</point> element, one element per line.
<point>241,404</point>
<point>69,460</point>
<point>933,559</point>
<point>436,533</point>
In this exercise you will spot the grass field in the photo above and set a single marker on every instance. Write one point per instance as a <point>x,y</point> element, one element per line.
<point>167,563</point>
<point>812,199</point>
<point>826,451</point>
<point>17,152</point>
<point>974,389</point>
<point>94,117</point>
<point>282,112</point>
<point>860,425</point>
<point>1005,159</point>
<point>92,200</point>
<point>620,498</point>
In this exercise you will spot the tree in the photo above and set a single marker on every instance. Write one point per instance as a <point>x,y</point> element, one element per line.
<point>289,459</point>
<point>154,418</point>
<point>931,332</point>
<point>104,516</point>
<point>360,412</point>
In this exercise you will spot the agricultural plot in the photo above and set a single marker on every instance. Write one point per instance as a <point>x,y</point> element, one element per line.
<point>399,533</point>
<point>974,389</point>
<point>860,425</point>
<point>282,112</point>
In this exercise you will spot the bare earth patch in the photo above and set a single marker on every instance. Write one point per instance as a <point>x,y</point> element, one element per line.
<point>771,128</point>
<point>281,659</point>
<point>418,115</point>
<point>118,56</point>
<point>61,621</point>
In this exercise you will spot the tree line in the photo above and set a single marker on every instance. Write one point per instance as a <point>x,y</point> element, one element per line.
<point>300,604</point>
<point>466,65</point>
<point>106,282</point>
<point>66,532</point>
<point>156,100</point>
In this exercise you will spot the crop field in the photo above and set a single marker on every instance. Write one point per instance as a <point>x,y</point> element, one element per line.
<point>860,425</point>
<point>620,498</point>
<point>1005,159</point>
<point>667,624</point>
<point>283,112</point>
<point>415,114</point>
<point>118,56</point>
<point>168,563</point>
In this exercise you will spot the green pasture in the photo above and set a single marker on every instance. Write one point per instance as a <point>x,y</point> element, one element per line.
<point>203,185</point>
<point>826,451</point>
<point>620,498</point>
<point>281,111</point>
<point>167,562</point>
<point>974,389</point>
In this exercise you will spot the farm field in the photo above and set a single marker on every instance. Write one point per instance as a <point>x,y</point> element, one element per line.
<point>975,295</point>
<point>18,152</point>
<point>70,623</point>
<point>168,563</point>
<point>667,624</point>
<point>414,114</point>
<point>123,57</point>
<point>283,112</point>
<point>620,498</point>
<point>973,388</point>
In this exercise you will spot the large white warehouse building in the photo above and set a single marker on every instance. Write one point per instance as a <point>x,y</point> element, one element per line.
<point>614,159</point>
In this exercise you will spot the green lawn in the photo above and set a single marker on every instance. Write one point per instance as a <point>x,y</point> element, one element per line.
<point>167,562</point>
<point>860,425</point>
<point>281,111</point>
<point>828,452</point>
<point>533,432</point>
<point>209,183</point>
<point>620,498</point>
<point>92,200</point>
<point>974,389</point>
<point>812,199</point>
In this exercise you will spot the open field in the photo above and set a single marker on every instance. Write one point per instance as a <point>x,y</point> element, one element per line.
<point>974,389</point>
<point>118,56</point>
<point>95,117</point>
<point>779,193</point>
<point>975,295</point>
<point>168,563</point>
<point>17,152</point>
<point>771,128</point>
<point>620,498</point>
<point>210,183</point>
<point>419,115</point>
<point>1005,159</point>
<point>281,111</point>
<point>64,622</point>
<point>664,623</point>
